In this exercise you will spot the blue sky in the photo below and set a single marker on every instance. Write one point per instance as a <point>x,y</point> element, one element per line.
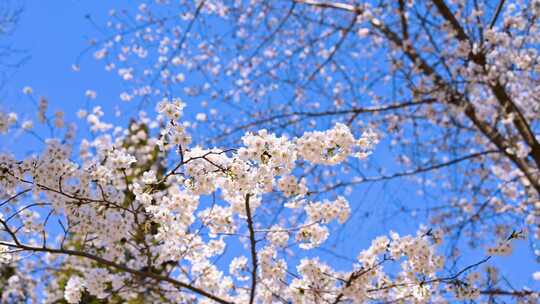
<point>54,33</point>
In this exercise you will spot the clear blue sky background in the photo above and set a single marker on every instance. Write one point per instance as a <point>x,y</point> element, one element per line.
<point>55,32</point>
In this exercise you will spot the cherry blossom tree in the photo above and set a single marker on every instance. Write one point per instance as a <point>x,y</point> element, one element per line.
<point>142,214</point>
<point>230,203</point>
<point>451,84</point>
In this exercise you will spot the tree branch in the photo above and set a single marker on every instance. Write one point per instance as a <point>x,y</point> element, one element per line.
<point>253,243</point>
<point>102,261</point>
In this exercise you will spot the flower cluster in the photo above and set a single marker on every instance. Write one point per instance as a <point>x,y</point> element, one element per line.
<point>74,289</point>
<point>327,211</point>
<point>7,120</point>
<point>5,255</point>
<point>290,186</point>
<point>172,109</point>
<point>276,153</point>
<point>333,146</point>
<point>313,233</point>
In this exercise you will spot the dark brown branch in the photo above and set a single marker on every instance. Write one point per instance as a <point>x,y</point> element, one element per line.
<point>515,293</point>
<point>15,196</point>
<point>497,13</point>
<point>335,50</point>
<point>355,111</point>
<point>403,18</point>
<point>447,14</point>
<point>102,261</point>
<point>253,243</point>
<point>413,172</point>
